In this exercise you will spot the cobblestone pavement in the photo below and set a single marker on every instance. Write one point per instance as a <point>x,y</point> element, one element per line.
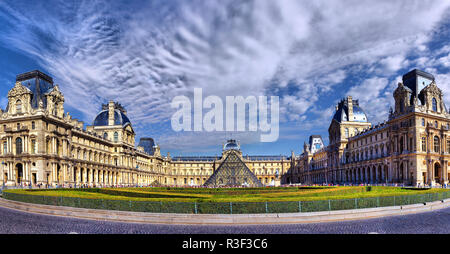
<point>16,222</point>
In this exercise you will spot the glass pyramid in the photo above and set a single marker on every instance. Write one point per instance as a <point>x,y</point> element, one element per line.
<point>233,173</point>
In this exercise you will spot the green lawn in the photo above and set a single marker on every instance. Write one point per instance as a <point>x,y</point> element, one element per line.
<point>230,195</point>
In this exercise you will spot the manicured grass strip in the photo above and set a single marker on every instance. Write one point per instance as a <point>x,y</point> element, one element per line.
<point>231,207</point>
<point>223,195</point>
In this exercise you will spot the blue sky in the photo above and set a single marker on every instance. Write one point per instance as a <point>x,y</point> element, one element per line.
<point>143,53</point>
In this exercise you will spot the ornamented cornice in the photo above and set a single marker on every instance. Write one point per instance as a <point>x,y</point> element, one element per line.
<point>56,93</point>
<point>433,89</point>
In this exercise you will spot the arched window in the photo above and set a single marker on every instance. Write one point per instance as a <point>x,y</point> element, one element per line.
<point>436,144</point>
<point>55,109</point>
<point>116,137</point>
<point>19,146</point>
<point>18,106</point>
<point>435,105</point>
<point>105,135</point>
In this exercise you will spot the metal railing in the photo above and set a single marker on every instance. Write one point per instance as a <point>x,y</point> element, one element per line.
<point>229,207</point>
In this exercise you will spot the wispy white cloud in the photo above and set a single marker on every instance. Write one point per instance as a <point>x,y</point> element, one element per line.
<point>145,56</point>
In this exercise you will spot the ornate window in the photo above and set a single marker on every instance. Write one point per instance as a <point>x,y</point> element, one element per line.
<point>105,135</point>
<point>19,146</point>
<point>116,137</point>
<point>423,121</point>
<point>435,105</point>
<point>436,144</point>
<point>55,109</point>
<point>346,132</point>
<point>18,106</point>
<point>33,125</point>
<point>424,144</point>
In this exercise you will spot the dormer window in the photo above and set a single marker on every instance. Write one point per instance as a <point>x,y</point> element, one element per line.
<point>435,105</point>
<point>18,106</point>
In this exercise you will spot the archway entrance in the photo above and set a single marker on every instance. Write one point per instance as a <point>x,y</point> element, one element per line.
<point>19,173</point>
<point>438,173</point>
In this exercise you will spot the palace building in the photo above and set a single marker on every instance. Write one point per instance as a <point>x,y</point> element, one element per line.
<point>411,147</point>
<point>43,144</point>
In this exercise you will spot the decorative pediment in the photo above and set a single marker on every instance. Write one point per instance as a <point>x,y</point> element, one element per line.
<point>433,90</point>
<point>18,90</point>
<point>56,94</point>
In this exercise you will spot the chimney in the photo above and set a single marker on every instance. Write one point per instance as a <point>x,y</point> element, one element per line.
<point>111,113</point>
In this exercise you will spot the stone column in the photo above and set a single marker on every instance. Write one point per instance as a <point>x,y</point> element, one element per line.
<point>445,171</point>
<point>28,172</point>
<point>431,172</point>
<point>10,146</point>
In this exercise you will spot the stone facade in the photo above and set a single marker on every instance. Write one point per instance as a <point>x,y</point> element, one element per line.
<point>42,144</point>
<point>412,147</point>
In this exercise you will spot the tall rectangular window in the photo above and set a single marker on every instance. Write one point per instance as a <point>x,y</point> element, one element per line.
<point>424,144</point>
<point>33,146</point>
<point>5,147</point>
<point>448,145</point>
<point>436,145</point>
